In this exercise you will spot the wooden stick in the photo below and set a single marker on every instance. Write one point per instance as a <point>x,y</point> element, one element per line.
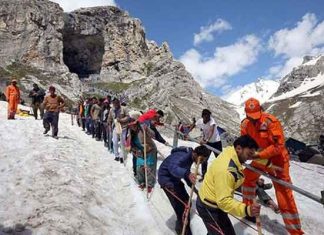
<point>145,165</point>
<point>258,221</point>
<point>190,199</point>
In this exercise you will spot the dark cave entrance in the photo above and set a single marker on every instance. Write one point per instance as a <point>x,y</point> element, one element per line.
<point>83,53</point>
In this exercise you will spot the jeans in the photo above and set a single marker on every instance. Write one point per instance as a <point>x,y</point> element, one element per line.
<point>51,119</point>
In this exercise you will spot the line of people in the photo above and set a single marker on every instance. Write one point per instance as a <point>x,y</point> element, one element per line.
<point>122,131</point>
<point>261,141</point>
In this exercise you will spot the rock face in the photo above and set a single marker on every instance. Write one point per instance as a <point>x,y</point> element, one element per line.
<point>31,32</point>
<point>105,41</point>
<point>299,101</point>
<point>31,47</point>
<point>100,49</point>
<point>115,48</point>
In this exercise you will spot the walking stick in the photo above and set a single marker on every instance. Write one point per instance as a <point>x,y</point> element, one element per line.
<point>161,154</point>
<point>258,221</point>
<point>145,165</point>
<point>190,199</point>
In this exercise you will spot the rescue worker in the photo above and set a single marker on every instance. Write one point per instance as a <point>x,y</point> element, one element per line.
<point>174,168</point>
<point>266,130</point>
<point>53,105</point>
<point>216,195</point>
<point>13,98</point>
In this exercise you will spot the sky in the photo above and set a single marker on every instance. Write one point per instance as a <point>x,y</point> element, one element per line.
<point>227,44</point>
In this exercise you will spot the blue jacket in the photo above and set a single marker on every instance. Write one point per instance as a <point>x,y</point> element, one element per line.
<point>176,167</point>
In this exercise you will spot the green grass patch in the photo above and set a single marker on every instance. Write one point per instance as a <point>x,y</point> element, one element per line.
<point>21,70</point>
<point>4,74</point>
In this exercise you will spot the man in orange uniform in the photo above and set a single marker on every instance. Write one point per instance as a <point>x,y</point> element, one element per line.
<point>13,98</point>
<point>266,130</point>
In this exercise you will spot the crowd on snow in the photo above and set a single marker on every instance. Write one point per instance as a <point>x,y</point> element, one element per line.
<point>123,131</point>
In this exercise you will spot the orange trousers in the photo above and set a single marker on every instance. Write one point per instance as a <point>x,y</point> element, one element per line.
<point>285,198</point>
<point>12,106</point>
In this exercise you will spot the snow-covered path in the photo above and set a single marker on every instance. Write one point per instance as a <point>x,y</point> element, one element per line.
<point>70,185</point>
<point>73,186</point>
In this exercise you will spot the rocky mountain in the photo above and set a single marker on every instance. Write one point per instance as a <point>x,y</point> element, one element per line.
<point>95,51</point>
<point>299,100</point>
<point>31,46</point>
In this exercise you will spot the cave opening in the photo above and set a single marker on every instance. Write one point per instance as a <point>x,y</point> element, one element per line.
<point>83,53</point>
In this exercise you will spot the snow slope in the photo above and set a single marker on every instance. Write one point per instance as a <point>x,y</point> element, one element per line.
<point>261,89</point>
<point>73,186</point>
<point>304,89</point>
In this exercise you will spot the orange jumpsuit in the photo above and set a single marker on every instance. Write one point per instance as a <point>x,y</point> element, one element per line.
<point>13,98</point>
<point>268,133</point>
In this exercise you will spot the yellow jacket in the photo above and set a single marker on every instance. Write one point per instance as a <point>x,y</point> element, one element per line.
<point>224,175</point>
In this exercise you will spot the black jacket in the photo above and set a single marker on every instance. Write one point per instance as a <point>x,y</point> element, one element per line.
<point>37,95</point>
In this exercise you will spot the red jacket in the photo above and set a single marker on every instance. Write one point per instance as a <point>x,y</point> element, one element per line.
<point>149,115</point>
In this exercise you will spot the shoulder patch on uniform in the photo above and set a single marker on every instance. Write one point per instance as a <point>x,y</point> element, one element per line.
<point>264,126</point>
<point>244,123</point>
<point>244,120</point>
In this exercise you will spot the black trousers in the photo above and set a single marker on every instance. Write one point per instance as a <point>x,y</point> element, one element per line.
<point>211,215</point>
<point>204,165</point>
<point>98,129</point>
<point>104,132</point>
<point>178,207</point>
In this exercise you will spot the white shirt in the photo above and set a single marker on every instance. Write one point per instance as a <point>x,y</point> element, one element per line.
<point>207,128</point>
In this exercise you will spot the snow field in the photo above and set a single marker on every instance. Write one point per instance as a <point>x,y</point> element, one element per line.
<point>73,186</point>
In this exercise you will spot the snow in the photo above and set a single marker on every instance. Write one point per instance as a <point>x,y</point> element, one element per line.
<point>72,185</point>
<point>295,105</point>
<point>311,94</point>
<point>261,89</point>
<point>306,85</point>
<point>313,61</point>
